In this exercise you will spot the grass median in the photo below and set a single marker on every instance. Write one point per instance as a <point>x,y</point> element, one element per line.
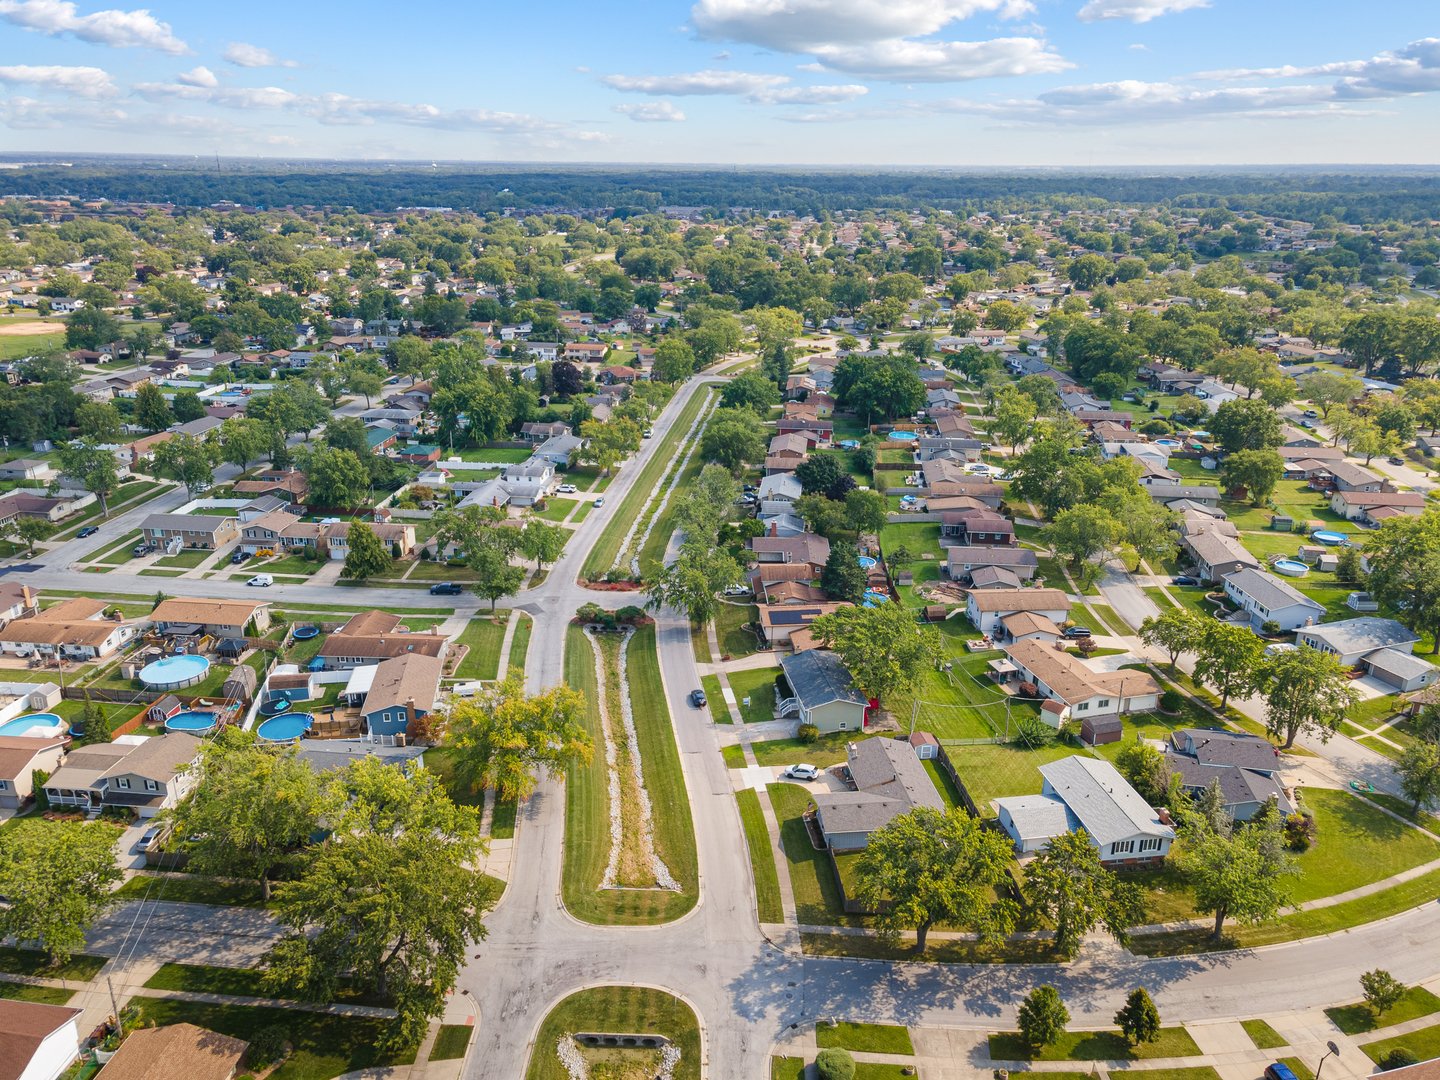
<point>762,857</point>
<point>639,1010</point>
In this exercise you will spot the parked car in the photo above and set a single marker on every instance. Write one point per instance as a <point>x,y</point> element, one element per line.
<point>1079,632</point>
<point>261,581</point>
<point>1397,461</point>
<point>801,772</point>
<point>147,837</point>
<point>1279,1071</point>
<point>140,549</point>
<point>89,530</point>
<point>239,556</point>
<point>697,698</point>
<point>567,488</point>
<point>600,501</point>
<point>448,588</point>
<point>1182,580</point>
<point>1311,413</point>
<point>737,590</point>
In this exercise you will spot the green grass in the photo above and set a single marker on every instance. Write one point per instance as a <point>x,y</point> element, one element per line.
<point>1106,615</point>
<point>787,1068</point>
<point>502,823</point>
<point>602,555</point>
<point>1358,1018</point>
<point>586,505</point>
<point>823,752</point>
<point>190,890</point>
<point>963,703</point>
<point>715,699</point>
<point>995,772</point>
<point>1023,951</point>
<point>504,455</point>
<point>116,553</point>
<point>1424,1044</point>
<point>943,784</point>
<point>587,819</point>
<point>291,564</point>
<point>36,963</point>
<point>452,1042</point>
<point>1298,1067</point>
<point>652,556</point>
<point>1263,1035</point>
<point>865,1038</point>
<point>324,1045</point>
<point>41,995</point>
<point>734,756</point>
<point>758,684</point>
<point>1356,844</point>
<point>484,636</point>
<point>244,982</point>
<point>124,493</point>
<point>152,572</point>
<point>762,857</point>
<point>520,643</point>
<point>1402,807</point>
<point>632,1009</point>
<point>556,509</point>
<point>1094,1046</point>
<point>812,880</point>
<point>735,642</point>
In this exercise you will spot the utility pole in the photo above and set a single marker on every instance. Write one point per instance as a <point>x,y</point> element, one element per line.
<point>114,1007</point>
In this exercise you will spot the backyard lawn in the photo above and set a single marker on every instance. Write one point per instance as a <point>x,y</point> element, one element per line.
<point>994,772</point>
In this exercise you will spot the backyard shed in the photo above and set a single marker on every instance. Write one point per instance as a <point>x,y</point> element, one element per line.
<point>925,745</point>
<point>240,683</point>
<point>1098,730</point>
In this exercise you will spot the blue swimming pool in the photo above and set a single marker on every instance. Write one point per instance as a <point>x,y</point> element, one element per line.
<point>197,722</point>
<point>40,725</point>
<point>902,436</point>
<point>867,562</point>
<point>285,728</point>
<point>173,672</point>
<point>1327,537</point>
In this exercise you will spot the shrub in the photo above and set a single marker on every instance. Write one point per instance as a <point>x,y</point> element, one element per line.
<point>309,554</point>
<point>630,613</point>
<point>808,733</point>
<point>1043,1016</point>
<point>456,562</point>
<point>1399,1058</point>
<point>37,784</point>
<point>1347,568</point>
<point>1300,831</point>
<point>1154,427</point>
<point>425,554</point>
<point>835,1064</point>
<point>266,1046</point>
<point>1172,701</point>
<point>1035,731</point>
<point>1270,626</point>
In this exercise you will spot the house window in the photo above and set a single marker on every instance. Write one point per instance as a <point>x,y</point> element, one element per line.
<point>1152,844</point>
<point>1084,706</point>
<point>123,782</point>
<point>1122,847</point>
<point>843,725</point>
<point>150,785</point>
<point>1103,702</point>
<point>4,785</point>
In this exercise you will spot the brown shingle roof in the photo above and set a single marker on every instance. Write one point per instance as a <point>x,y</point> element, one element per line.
<point>402,678</point>
<point>385,646</point>
<point>17,752</point>
<point>1021,600</point>
<point>176,1050</point>
<point>371,623</point>
<point>217,612</point>
<point>24,1025</point>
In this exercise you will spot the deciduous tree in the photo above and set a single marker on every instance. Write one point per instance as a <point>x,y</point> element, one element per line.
<point>1176,630</point>
<point>1257,470</point>
<point>1139,1020</point>
<point>1239,872</point>
<point>93,466</point>
<point>57,879</point>
<point>1066,881</point>
<point>884,648</point>
<point>365,555</point>
<point>1229,658</point>
<point>842,576</point>
<point>152,411</point>
<point>1306,692</point>
<point>1043,1015</point>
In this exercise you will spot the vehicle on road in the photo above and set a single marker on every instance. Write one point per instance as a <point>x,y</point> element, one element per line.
<point>89,530</point>
<point>261,581</point>
<point>1184,581</point>
<point>801,772</point>
<point>1311,413</point>
<point>647,434</point>
<point>1079,632</point>
<point>446,588</point>
<point>566,488</point>
<point>698,699</point>
<point>1397,461</point>
<point>600,501</point>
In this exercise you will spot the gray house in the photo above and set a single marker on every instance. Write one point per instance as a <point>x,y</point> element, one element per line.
<point>1263,597</point>
<point>822,694</point>
<point>890,780</point>
<point>1353,639</point>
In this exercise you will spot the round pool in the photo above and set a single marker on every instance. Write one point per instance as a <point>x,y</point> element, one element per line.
<point>1291,567</point>
<point>1327,537</point>
<point>40,725</point>
<point>173,672</point>
<point>198,722</point>
<point>305,633</point>
<point>286,728</point>
<point>867,563</point>
<point>1167,442</point>
<point>902,436</point>
<point>1199,434</point>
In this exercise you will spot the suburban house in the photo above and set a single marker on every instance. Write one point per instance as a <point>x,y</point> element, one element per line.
<point>17,601</point>
<point>176,1050</point>
<point>72,628</point>
<point>1351,477</point>
<point>777,493</point>
<point>1026,626</point>
<point>19,756</point>
<point>1244,765</point>
<point>1352,640</point>
<point>794,448</point>
<point>148,777</point>
<point>890,780</point>
<point>1065,678</point>
<point>218,618</point>
<point>1352,505</point>
<point>1169,494</point>
<point>978,528</point>
<point>39,1041</point>
<point>961,562</point>
<point>982,491</point>
<point>335,537</point>
<point>192,530</point>
<point>22,503</point>
<point>26,469</point>
<point>1401,669</point>
<point>524,484</point>
<point>1087,793</point>
<point>558,449</point>
<point>821,693</point>
<point>1263,597</point>
<point>586,351</point>
<point>288,484</point>
<point>766,574</point>
<point>403,689</point>
<point>1216,555</point>
<point>807,548</point>
<point>536,432</point>
<point>344,651</point>
<point>985,609</point>
<point>778,623</point>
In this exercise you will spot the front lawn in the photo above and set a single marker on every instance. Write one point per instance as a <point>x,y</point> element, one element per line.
<point>1424,1044</point>
<point>452,1042</point>
<point>758,684</point>
<point>556,509</point>
<point>191,890</point>
<point>245,982</point>
<point>864,1038</point>
<point>189,559</point>
<point>812,879</point>
<point>36,964</point>
<point>715,699</point>
<point>324,1045</point>
<point>1093,1046</point>
<point>484,636</point>
<point>1263,1035</point>
<point>734,641</point>
<point>1356,844</point>
<point>1358,1018</point>
<point>825,751</point>
<point>520,643</point>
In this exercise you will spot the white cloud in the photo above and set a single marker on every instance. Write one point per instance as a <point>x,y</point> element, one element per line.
<point>119,29</point>
<point>798,25</point>
<point>651,112</point>
<point>1139,48</point>
<point>1137,11</point>
<point>807,95</point>
<point>28,114</point>
<point>1415,69</point>
<point>698,82</point>
<point>200,76</point>
<point>84,82</point>
<point>945,61</point>
<point>253,56</point>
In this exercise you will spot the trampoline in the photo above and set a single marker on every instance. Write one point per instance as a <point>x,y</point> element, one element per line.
<point>1326,537</point>
<point>305,633</point>
<point>174,672</point>
<point>197,722</point>
<point>37,725</point>
<point>286,728</point>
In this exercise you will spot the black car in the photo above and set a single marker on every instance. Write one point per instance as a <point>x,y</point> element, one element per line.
<point>1397,461</point>
<point>1079,632</point>
<point>89,530</point>
<point>239,556</point>
<point>697,698</point>
<point>1184,581</point>
<point>448,588</point>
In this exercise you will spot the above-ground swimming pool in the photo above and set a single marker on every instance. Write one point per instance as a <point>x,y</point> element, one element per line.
<point>173,672</point>
<point>305,633</point>
<point>1167,442</point>
<point>286,728</point>
<point>1199,434</point>
<point>197,722</point>
<point>1327,537</point>
<point>41,725</point>
<point>1291,567</point>
<point>902,436</point>
<point>867,563</point>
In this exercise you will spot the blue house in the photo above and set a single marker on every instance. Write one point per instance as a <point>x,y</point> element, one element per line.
<point>403,690</point>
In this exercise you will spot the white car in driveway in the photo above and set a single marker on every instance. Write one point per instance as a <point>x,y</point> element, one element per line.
<point>801,772</point>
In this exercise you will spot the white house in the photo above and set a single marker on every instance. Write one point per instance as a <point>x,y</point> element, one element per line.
<point>1087,793</point>
<point>1088,694</point>
<point>40,1041</point>
<point>1263,597</point>
<point>986,608</point>
<point>1351,640</point>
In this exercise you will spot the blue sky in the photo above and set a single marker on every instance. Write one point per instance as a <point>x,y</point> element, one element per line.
<point>821,82</point>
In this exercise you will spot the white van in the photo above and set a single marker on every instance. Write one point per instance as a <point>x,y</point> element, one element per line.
<point>261,581</point>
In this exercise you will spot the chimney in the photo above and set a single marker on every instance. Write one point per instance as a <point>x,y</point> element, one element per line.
<point>774,528</point>
<point>1164,816</point>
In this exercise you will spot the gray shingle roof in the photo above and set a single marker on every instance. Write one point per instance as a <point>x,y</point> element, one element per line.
<point>1237,785</point>
<point>1218,748</point>
<point>889,767</point>
<point>1398,662</point>
<point>1107,806</point>
<point>1269,591</point>
<point>1361,635</point>
<point>818,677</point>
<point>1039,816</point>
